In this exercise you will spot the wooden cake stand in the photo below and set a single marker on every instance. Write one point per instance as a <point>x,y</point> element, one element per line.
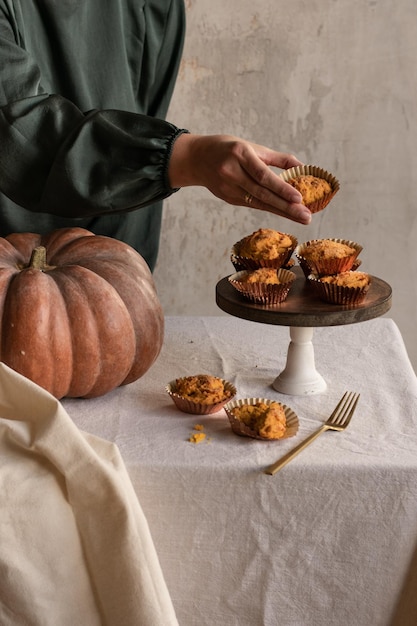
<point>302,311</point>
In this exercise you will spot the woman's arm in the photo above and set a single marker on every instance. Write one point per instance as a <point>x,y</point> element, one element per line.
<point>238,172</point>
<point>57,154</point>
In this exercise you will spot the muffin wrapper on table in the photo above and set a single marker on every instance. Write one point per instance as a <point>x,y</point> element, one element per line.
<point>313,170</point>
<point>326,267</point>
<point>338,294</point>
<point>199,408</point>
<point>239,428</point>
<point>264,293</point>
<point>248,263</point>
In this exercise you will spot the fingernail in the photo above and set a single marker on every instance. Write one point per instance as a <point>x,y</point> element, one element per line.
<point>306,216</point>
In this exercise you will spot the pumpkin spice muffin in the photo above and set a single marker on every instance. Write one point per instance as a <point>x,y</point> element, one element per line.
<point>263,248</point>
<point>312,188</point>
<point>347,288</point>
<point>327,256</point>
<point>200,394</point>
<point>201,388</point>
<point>266,286</point>
<point>266,275</point>
<point>316,186</point>
<point>347,279</point>
<point>265,243</point>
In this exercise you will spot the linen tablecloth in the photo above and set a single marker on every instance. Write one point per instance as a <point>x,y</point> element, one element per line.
<point>75,548</point>
<point>328,540</point>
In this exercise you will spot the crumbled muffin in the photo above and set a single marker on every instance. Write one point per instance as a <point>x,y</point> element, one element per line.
<point>266,420</point>
<point>197,437</point>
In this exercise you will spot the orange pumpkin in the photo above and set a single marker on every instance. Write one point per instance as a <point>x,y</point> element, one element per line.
<point>79,313</point>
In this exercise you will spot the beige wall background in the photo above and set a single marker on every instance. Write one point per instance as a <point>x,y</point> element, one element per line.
<point>332,81</point>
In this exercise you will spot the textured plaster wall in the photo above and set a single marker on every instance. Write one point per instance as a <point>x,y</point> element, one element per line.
<point>334,82</point>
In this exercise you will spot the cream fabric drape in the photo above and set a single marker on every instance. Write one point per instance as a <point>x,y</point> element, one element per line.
<point>75,547</point>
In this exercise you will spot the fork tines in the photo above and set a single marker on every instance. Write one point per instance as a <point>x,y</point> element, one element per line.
<point>345,409</point>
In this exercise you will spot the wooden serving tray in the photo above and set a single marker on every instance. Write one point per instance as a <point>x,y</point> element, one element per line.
<point>302,307</point>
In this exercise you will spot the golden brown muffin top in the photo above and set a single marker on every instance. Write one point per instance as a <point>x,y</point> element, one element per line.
<point>266,420</point>
<point>326,249</point>
<point>347,279</point>
<point>311,187</point>
<point>264,243</point>
<point>202,388</point>
<point>266,275</point>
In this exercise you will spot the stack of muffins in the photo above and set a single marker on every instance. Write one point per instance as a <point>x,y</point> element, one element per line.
<point>330,266</point>
<point>263,260</point>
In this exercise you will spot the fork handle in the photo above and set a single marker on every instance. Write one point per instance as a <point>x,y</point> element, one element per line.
<point>290,455</point>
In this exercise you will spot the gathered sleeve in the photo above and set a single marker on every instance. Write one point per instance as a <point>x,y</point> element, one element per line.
<point>95,162</point>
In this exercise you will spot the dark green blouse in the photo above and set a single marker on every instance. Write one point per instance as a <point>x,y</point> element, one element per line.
<point>84,89</point>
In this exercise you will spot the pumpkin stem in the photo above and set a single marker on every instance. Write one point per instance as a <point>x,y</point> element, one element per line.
<point>38,258</point>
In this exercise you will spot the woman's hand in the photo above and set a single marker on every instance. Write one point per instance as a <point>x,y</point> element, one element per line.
<point>238,172</point>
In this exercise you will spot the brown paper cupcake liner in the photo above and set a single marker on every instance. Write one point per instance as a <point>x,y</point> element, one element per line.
<point>313,170</point>
<point>338,294</point>
<point>239,267</point>
<point>248,263</point>
<point>199,408</point>
<point>325,267</point>
<point>264,293</point>
<point>239,428</point>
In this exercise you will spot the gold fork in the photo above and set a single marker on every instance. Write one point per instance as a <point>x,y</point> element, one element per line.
<point>338,420</point>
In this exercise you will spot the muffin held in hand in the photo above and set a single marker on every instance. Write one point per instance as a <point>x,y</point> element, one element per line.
<point>200,394</point>
<point>261,419</point>
<point>311,187</point>
<point>263,248</point>
<point>265,285</point>
<point>347,288</point>
<point>316,186</point>
<point>327,256</point>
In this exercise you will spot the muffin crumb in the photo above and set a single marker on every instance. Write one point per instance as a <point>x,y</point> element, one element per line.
<point>197,437</point>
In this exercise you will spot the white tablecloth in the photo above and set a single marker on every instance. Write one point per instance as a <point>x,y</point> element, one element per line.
<point>326,541</point>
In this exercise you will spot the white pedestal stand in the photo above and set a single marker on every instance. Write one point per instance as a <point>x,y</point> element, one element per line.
<point>302,311</point>
<point>300,376</point>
